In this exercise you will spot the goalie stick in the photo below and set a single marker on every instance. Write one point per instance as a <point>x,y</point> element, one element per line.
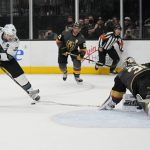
<point>28,92</point>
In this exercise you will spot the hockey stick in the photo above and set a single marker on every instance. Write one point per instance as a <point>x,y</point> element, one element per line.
<point>28,92</point>
<point>63,104</point>
<point>9,76</point>
<point>96,62</point>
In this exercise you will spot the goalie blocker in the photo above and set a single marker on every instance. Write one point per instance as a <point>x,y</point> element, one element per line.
<point>135,78</point>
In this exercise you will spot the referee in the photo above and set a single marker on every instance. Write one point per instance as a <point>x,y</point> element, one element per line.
<point>106,46</point>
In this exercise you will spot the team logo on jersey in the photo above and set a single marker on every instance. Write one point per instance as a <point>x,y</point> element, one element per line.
<point>70,45</point>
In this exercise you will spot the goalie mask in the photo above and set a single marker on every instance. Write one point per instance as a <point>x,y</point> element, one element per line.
<point>129,61</point>
<point>9,29</point>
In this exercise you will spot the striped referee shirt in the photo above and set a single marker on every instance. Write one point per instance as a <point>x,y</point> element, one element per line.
<point>106,41</point>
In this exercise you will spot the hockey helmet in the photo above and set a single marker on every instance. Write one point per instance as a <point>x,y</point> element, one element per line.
<point>76,24</point>
<point>129,61</point>
<point>9,29</point>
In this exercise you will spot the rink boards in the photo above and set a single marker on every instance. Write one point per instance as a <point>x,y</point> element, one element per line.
<point>40,57</point>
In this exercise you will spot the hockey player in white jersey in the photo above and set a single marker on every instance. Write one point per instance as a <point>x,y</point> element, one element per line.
<point>9,44</point>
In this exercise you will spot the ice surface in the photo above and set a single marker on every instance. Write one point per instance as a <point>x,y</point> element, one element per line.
<point>67,118</point>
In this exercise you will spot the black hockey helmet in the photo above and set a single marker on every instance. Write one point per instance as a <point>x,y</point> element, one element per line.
<point>76,24</point>
<point>129,61</point>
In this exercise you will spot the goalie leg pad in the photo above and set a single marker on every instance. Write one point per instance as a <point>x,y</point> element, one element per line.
<point>130,103</point>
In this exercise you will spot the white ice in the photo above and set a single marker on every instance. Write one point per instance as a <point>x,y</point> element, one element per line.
<point>67,118</point>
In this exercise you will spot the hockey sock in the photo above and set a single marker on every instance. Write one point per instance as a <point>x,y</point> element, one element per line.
<point>116,96</point>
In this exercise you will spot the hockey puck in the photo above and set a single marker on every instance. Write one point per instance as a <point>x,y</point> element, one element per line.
<point>33,103</point>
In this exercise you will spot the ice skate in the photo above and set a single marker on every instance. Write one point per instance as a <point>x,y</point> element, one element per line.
<point>65,76</point>
<point>34,94</point>
<point>113,72</point>
<point>78,79</point>
<point>98,65</point>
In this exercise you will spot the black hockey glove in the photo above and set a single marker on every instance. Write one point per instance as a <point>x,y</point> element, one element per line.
<point>82,54</point>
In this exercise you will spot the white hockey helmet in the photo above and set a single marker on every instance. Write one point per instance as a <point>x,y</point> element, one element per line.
<point>10,29</point>
<point>129,61</point>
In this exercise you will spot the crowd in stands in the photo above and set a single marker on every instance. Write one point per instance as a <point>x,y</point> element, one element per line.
<point>92,27</point>
<point>93,17</point>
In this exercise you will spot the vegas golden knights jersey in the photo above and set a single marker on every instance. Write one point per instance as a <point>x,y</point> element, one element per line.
<point>130,75</point>
<point>72,42</point>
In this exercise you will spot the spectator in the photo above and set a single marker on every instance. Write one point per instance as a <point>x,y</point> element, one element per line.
<point>127,23</point>
<point>81,22</point>
<point>91,30</point>
<point>50,35</point>
<point>85,27</point>
<point>83,31</point>
<point>115,21</point>
<point>69,23</point>
<point>99,27</point>
<point>109,25</point>
<point>41,35</point>
<point>129,34</point>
